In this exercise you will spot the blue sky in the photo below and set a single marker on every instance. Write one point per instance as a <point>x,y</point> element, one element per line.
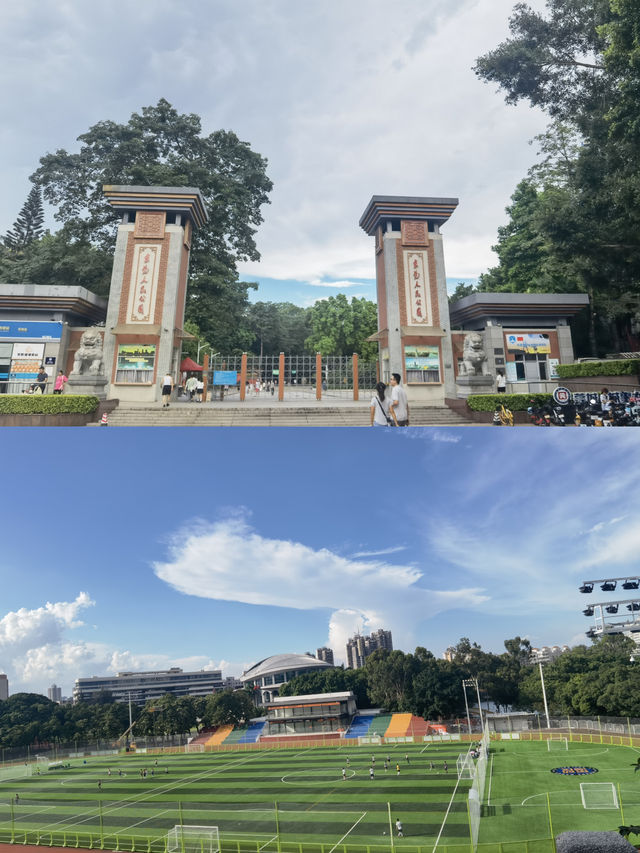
<point>345,100</point>
<point>142,549</point>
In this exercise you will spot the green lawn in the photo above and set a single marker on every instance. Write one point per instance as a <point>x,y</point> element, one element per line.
<point>238,792</point>
<point>318,812</point>
<point>523,796</point>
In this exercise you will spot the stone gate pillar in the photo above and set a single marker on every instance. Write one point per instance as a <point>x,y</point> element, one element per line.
<point>414,336</point>
<point>145,315</point>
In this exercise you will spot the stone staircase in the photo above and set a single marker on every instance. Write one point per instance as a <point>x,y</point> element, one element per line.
<point>275,416</point>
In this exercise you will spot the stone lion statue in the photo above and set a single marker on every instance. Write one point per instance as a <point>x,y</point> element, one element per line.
<point>88,358</point>
<point>474,358</point>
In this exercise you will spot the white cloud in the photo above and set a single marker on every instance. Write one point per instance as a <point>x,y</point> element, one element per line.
<point>381,552</point>
<point>344,99</point>
<point>24,629</point>
<point>229,561</point>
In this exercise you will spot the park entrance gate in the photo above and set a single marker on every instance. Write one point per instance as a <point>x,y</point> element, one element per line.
<point>289,377</point>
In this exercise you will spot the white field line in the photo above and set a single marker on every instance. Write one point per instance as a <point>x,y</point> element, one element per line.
<point>490,777</point>
<point>435,846</point>
<point>426,746</point>
<point>121,804</point>
<point>364,814</point>
<point>267,842</point>
<point>27,815</point>
<point>138,823</point>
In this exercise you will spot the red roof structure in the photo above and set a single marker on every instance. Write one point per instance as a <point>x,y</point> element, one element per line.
<point>188,365</point>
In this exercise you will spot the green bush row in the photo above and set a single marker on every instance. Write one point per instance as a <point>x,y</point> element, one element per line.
<point>47,404</point>
<point>621,367</point>
<point>515,402</point>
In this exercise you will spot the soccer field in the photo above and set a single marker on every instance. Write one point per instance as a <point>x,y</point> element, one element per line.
<point>296,801</point>
<point>524,799</point>
<point>269,800</point>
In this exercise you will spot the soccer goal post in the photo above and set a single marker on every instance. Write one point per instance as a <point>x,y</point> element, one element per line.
<point>194,747</point>
<point>193,839</point>
<point>15,771</point>
<point>465,766</point>
<point>599,795</point>
<point>557,743</point>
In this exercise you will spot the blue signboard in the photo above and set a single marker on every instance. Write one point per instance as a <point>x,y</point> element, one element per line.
<point>32,329</point>
<point>225,377</point>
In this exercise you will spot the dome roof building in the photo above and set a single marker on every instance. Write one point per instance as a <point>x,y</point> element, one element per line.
<point>270,674</point>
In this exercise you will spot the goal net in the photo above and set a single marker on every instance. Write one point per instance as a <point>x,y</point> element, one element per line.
<point>555,744</point>
<point>599,795</point>
<point>15,771</point>
<point>465,765</point>
<point>193,839</point>
<point>194,747</point>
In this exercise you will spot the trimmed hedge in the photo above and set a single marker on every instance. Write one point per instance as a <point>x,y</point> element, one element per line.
<point>47,404</point>
<point>620,367</point>
<point>515,402</point>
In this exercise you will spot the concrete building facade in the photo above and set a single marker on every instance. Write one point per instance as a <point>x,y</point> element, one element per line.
<point>142,686</point>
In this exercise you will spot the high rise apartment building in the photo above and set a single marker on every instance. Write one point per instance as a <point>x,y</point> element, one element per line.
<point>359,648</point>
<point>4,686</point>
<point>325,654</point>
<point>55,693</point>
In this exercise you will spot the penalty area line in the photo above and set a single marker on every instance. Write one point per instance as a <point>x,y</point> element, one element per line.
<point>268,842</point>
<point>364,814</point>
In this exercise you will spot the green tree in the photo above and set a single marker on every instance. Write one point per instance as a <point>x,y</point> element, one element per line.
<point>462,290</point>
<point>340,327</point>
<point>159,146</point>
<point>56,259</point>
<point>29,224</point>
<point>229,707</point>
<point>578,64</point>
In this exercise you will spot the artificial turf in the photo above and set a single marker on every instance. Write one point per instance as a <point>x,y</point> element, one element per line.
<point>278,799</point>
<point>238,792</point>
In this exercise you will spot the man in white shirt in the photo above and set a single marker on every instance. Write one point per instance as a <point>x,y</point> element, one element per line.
<point>399,401</point>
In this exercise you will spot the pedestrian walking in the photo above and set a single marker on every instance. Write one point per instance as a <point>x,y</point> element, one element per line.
<point>167,388</point>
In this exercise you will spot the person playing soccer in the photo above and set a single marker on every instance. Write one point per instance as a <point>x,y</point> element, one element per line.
<point>371,773</point>
<point>397,769</point>
<point>399,828</point>
<point>344,774</point>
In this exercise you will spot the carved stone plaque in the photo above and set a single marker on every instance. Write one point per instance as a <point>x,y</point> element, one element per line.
<point>150,223</point>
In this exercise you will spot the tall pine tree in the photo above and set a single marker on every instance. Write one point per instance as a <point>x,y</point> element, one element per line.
<point>29,224</point>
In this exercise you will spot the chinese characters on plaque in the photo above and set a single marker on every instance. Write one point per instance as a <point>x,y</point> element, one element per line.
<point>144,281</point>
<point>417,287</point>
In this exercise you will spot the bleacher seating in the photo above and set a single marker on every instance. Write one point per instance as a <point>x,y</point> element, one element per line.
<point>399,725</point>
<point>221,735</point>
<point>253,732</point>
<point>360,726</point>
<point>380,724</point>
<point>236,735</point>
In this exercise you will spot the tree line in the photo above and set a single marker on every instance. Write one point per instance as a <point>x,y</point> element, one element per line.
<point>573,222</point>
<point>600,679</point>
<point>29,719</point>
<point>159,146</point>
